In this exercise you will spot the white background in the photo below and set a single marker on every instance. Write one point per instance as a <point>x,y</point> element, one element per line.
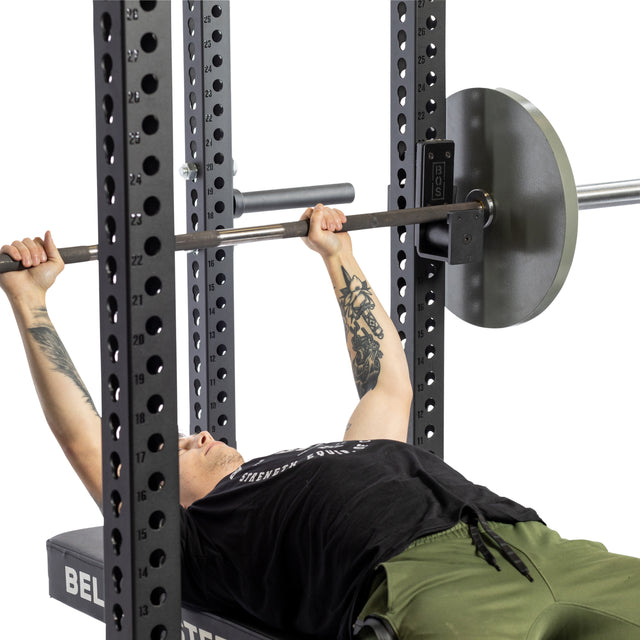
<point>545,412</point>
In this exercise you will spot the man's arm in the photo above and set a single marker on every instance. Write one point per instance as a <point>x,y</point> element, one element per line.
<point>66,403</point>
<point>378,360</point>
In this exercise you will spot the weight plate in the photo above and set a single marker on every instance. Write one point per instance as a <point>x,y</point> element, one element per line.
<point>506,147</point>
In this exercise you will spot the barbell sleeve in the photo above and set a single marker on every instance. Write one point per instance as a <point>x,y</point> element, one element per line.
<point>293,198</point>
<point>608,194</point>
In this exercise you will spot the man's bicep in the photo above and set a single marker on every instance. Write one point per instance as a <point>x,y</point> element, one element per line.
<point>380,415</point>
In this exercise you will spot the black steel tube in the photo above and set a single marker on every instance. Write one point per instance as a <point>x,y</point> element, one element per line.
<point>294,198</point>
<point>298,229</point>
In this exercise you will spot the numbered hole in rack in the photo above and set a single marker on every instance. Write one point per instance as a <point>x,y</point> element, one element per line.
<point>194,150</point>
<point>402,11</point>
<point>402,150</point>
<point>111,268</point>
<point>197,364</point>
<point>197,409</point>
<point>192,77</point>
<point>155,443</point>
<point>432,133</point>
<point>195,223</point>
<point>195,292</point>
<point>217,85</point>
<point>221,327</point>
<point>149,42</point>
<point>116,541</point>
<point>216,12</point>
<point>432,270</point>
<point>432,50</point>
<point>151,165</point>
<point>194,197</point>
<point>115,427</point>
<point>223,396</point>
<point>113,348</point>
<point>432,23</point>
<point>217,61</point>
<point>150,125</point>
<point>430,325</point>
<point>156,481</point>
<point>218,110</point>
<point>196,317</point>
<point>157,558</point>
<point>216,36</point>
<point>110,189</point>
<point>402,68</point>
<point>402,260</point>
<point>221,303</point>
<point>155,365</point>
<point>223,421</point>
<point>148,5</point>
<point>402,313</point>
<point>193,123</point>
<point>116,465</point>
<point>221,350</point>
<point>402,233</point>
<point>402,178</point>
<point>222,374</point>
<point>151,206</point>
<point>191,25</point>
<point>105,26</point>
<point>117,615</point>
<point>221,278</point>
<point>193,101</point>
<point>107,109</point>
<point>402,287</point>
<point>116,577</point>
<point>157,520</point>
<point>110,228</point>
<point>149,83</point>
<point>430,298</point>
<point>107,68</point>
<point>197,387</point>
<point>153,286</point>
<point>158,597</point>
<point>218,158</point>
<point>402,39</point>
<point>113,385</point>
<point>430,352</point>
<point>153,325</point>
<point>430,405</point>
<point>152,246</point>
<point>220,255</point>
<point>430,378</point>
<point>116,503</point>
<point>430,431</point>
<point>109,147</point>
<point>219,207</point>
<point>432,105</point>
<point>403,338</point>
<point>402,123</point>
<point>196,340</point>
<point>159,632</point>
<point>155,404</point>
<point>402,96</point>
<point>192,51</point>
<point>432,78</point>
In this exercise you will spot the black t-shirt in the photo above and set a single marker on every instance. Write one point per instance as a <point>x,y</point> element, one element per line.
<point>292,539</point>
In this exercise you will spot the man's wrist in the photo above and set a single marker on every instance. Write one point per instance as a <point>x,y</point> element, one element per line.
<point>28,305</point>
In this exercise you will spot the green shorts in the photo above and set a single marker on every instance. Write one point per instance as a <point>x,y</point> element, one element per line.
<point>440,587</point>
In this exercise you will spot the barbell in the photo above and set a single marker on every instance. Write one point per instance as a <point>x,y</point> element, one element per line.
<point>507,151</point>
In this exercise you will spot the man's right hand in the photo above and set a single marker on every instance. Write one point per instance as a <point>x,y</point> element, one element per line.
<point>43,264</point>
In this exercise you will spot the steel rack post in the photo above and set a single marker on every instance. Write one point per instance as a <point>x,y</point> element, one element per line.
<point>418,113</point>
<point>137,304</point>
<point>210,206</point>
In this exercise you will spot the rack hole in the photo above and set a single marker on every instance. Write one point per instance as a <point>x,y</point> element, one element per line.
<point>116,465</point>
<point>151,165</point>
<point>156,481</point>
<point>151,206</point>
<point>158,596</point>
<point>157,558</point>
<point>152,246</point>
<point>153,286</point>
<point>155,404</point>
<point>155,443</point>
<point>149,83</point>
<point>155,365</point>
<point>105,25</point>
<point>109,148</point>
<point>159,632</point>
<point>113,348</point>
<point>150,125</point>
<point>430,378</point>
<point>157,520</point>
<point>116,541</point>
<point>115,427</point>
<point>118,616</point>
<point>107,68</point>
<point>148,42</point>
<point>107,109</point>
<point>432,50</point>
<point>153,325</point>
<point>432,23</point>
<point>110,189</point>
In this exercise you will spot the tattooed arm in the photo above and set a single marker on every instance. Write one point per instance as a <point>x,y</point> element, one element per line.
<point>66,403</point>
<point>378,360</point>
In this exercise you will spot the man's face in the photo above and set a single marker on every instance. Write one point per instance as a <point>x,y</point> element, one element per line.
<point>203,463</point>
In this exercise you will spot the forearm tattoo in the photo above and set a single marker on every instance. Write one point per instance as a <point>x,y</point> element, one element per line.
<point>46,337</point>
<point>357,305</point>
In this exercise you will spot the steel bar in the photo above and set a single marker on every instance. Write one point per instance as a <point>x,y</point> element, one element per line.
<point>297,229</point>
<point>608,194</point>
<point>293,198</point>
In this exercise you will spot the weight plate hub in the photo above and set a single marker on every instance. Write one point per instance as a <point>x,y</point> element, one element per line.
<point>506,147</point>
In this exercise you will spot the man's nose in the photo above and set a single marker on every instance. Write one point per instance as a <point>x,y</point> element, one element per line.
<point>204,437</point>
